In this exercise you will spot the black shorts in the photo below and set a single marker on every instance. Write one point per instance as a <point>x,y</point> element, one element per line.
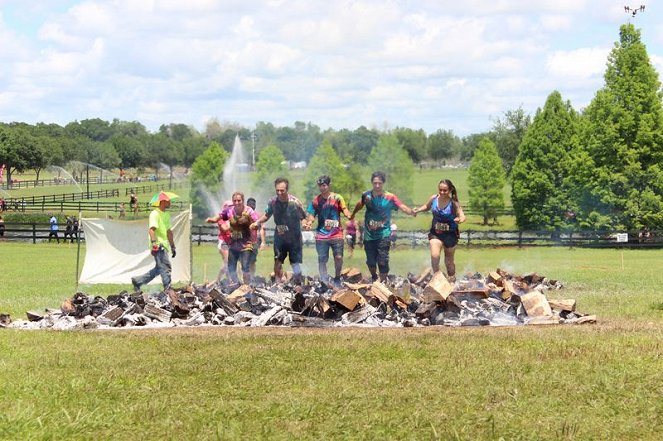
<point>449,238</point>
<point>293,250</point>
<point>377,253</point>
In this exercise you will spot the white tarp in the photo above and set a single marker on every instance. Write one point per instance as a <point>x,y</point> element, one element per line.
<point>116,250</point>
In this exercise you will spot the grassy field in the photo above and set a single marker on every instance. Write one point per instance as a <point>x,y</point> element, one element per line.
<point>589,382</point>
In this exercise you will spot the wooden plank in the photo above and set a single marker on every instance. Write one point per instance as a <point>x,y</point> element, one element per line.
<point>68,307</point>
<point>34,316</point>
<point>563,305</point>
<point>239,293</point>
<point>494,277</point>
<point>352,275</point>
<point>157,313</point>
<point>347,298</point>
<point>380,291</point>
<point>438,289</point>
<point>357,286</point>
<point>543,320</point>
<point>357,316</point>
<point>113,314</point>
<point>509,289</point>
<point>535,304</point>
<point>225,304</point>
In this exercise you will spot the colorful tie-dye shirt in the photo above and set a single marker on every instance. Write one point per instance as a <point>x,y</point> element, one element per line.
<point>241,236</point>
<point>328,211</point>
<point>377,220</point>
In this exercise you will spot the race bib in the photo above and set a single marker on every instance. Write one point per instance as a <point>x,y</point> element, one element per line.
<point>441,226</point>
<point>331,223</point>
<point>281,229</point>
<point>375,225</point>
<point>237,235</point>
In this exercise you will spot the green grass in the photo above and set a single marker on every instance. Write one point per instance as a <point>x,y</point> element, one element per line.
<point>563,382</point>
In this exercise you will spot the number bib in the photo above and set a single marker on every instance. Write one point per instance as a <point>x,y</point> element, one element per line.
<point>375,225</point>
<point>281,229</point>
<point>331,223</point>
<point>441,227</point>
<point>236,235</point>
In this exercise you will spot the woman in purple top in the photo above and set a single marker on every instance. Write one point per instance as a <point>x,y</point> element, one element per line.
<point>444,232</point>
<point>239,217</point>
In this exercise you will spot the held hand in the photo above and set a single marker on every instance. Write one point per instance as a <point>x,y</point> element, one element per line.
<point>173,253</point>
<point>254,226</point>
<point>155,249</point>
<point>263,246</point>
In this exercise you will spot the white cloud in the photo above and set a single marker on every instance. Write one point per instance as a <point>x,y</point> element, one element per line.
<point>578,63</point>
<point>339,64</point>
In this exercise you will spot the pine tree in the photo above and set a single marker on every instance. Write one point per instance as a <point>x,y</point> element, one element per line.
<point>619,172</point>
<point>390,157</point>
<point>539,189</point>
<point>486,181</point>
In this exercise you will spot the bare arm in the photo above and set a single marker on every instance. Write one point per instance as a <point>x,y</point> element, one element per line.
<point>427,206</point>
<point>257,224</point>
<point>263,239</point>
<point>358,207</point>
<point>213,219</point>
<point>153,235</point>
<point>308,221</point>
<point>460,218</point>
<point>171,241</point>
<point>408,210</point>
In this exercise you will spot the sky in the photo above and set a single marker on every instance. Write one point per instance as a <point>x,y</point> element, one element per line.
<point>429,64</point>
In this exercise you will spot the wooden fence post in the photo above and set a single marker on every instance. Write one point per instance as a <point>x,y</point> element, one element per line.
<point>34,233</point>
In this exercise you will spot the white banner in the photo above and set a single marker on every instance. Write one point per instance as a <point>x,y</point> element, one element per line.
<point>116,250</point>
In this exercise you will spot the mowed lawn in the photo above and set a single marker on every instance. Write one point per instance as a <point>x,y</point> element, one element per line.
<point>600,381</point>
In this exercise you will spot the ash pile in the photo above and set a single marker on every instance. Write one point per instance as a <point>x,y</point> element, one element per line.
<point>498,299</point>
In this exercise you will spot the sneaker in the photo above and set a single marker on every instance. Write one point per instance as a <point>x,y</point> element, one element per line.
<point>135,284</point>
<point>336,283</point>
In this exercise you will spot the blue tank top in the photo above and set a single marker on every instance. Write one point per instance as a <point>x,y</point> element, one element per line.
<point>443,218</point>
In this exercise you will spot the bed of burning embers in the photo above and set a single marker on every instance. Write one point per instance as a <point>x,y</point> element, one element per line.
<point>498,299</point>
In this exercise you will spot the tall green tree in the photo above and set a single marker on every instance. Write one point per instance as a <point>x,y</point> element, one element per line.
<point>390,157</point>
<point>327,162</point>
<point>15,149</point>
<point>486,181</point>
<point>540,175</point>
<point>206,177</point>
<point>413,141</point>
<point>620,170</point>
<point>269,166</point>
<point>443,144</point>
<point>469,144</point>
<point>507,134</point>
